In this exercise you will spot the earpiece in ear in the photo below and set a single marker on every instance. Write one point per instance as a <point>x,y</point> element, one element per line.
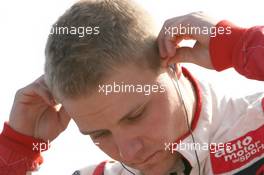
<point>177,70</point>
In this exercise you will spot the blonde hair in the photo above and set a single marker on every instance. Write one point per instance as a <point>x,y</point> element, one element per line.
<point>76,65</point>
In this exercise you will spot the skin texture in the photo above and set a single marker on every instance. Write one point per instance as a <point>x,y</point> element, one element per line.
<point>137,139</point>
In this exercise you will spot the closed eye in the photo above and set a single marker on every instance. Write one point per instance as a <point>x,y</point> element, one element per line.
<point>137,116</point>
<point>100,134</point>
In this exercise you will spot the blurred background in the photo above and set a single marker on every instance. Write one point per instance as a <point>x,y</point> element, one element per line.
<point>24,27</point>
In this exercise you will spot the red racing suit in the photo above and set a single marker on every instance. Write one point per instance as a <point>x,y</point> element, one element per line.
<point>243,50</point>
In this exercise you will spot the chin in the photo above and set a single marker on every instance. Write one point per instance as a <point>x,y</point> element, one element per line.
<point>163,167</point>
<point>156,171</point>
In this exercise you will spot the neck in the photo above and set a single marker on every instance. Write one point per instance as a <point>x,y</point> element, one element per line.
<point>189,96</point>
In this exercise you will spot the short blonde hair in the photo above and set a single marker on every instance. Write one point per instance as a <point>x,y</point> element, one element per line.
<point>76,65</point>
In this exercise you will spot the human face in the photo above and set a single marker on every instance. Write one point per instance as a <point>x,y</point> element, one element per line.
<point>133,127</point>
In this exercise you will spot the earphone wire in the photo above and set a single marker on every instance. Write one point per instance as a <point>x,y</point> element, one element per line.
<point>177,87</point>
<point>127,168</point>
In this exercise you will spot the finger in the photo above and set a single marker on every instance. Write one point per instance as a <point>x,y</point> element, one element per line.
<point>162,50</point>
<point>36,89</point>
<point>167,41</point>
<point>171,42</point>
<point>64,118</point>
<point>42,82</point>
<point>173,38</point>
<point>183,54</point>
<point>176,40</point>
<point>44,93</point>
<point>179,38</point>
<point>165,35</point>
<point>165,62</point>
<point>198,55</point>
<point>169,46</point>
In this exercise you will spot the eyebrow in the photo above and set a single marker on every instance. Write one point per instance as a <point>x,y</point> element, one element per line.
<point>127,115</point>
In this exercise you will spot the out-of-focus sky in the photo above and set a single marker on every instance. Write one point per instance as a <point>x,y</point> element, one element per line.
<point>24,27</point>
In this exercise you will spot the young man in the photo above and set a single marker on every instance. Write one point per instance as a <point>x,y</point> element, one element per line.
<point>139,110</point>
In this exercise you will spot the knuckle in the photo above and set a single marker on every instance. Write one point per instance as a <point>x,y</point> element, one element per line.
<point>19,92</point>
<point>169,21</point>
<point>36,85</point>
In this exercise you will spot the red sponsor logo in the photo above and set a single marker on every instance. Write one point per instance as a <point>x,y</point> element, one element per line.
<point>239,152</point>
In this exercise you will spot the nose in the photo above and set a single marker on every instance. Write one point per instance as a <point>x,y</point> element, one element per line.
<point>129,148</point>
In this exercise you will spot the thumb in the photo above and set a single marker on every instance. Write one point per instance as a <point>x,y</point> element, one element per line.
<point>64,118</point>
<point>182,55</point>
<point>198,55</point>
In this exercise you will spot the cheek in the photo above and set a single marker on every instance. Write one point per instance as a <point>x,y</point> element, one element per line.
<point>167,121</point>
<point>159,123</point>
<point>163,127</point>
